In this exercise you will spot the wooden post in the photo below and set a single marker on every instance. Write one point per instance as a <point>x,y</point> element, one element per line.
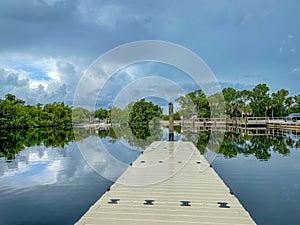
<point>171,122</point>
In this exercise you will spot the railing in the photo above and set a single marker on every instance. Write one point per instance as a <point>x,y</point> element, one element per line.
<point>251,123</point>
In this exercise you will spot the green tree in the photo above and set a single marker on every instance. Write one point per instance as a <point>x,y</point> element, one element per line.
<point>143,112</point>
<point>296,107</point>
<point>80,115</point>
<point>101,114</point>
<point>230,98</point>
<point>260,100</point>
<point>195,101</point>
<point>278,103</point>
<point>15,114</point>
<point>186,106</point>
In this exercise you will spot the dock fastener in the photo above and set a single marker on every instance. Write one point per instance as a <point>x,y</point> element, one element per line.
<point>223,205</point>
<point>185,203</point>
<point>113,201</point>
<point>149,202</point>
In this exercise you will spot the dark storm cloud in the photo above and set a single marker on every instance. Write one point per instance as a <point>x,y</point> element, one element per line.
<point>233,38</point>
<point>69,27</point>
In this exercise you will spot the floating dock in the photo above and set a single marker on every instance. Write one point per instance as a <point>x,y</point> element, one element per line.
<point>170,183</point>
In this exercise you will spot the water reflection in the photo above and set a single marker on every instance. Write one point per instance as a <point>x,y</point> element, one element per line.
<point>47,185</point>
<point>14,141</point>
<point>234,143</point>
<point>44,169</point>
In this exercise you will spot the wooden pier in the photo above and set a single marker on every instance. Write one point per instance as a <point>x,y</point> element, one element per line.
<point>247,123</point>
<point>170,183</point>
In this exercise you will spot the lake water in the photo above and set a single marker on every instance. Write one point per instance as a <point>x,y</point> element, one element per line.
<point>50,182</point>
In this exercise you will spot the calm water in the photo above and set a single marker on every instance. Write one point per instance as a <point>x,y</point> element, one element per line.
<point>51,183</point>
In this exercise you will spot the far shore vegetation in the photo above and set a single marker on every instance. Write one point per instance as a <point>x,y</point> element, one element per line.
<point>52,124</point>
<point>258,102</point>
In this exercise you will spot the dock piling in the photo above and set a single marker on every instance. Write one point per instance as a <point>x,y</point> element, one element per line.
<point>171,122</point>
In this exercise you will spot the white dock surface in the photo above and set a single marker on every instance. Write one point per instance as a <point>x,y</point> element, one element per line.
<point>171,183</point>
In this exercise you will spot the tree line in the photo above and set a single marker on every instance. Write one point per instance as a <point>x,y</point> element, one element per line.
<point>14,113</point>
<point>138,113</point>
<point>258,102</point>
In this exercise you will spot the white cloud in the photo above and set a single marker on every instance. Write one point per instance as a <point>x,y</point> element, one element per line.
<point>287,44</point>
<point>36,79</point>
<point>36,84</point>
<point>280,50</point>
<point>296,70</point>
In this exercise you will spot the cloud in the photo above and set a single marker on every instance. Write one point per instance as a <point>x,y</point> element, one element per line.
<point>296,70</point>
<point>287,44</point>
<point>280,50</point>
<point>69,35</point>
<point>56,88</point>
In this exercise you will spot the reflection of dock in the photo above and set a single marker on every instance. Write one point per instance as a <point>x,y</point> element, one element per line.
<point>171,183</point>
<point>280,124</point>
<point>252,124</point>
<point>93,125</point>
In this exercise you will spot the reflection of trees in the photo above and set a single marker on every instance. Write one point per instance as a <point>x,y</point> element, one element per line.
<point>13,141</point>
<point>203,141</point>
<point>140,132</point>
<point>259,146</point>
<point>137,136</point>
<point>200,140</point>
<point>281,145</point>
<point>234,144</point>
<point>143,136</point>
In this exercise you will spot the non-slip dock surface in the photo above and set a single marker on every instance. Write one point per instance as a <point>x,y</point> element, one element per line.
<point>171,183</point>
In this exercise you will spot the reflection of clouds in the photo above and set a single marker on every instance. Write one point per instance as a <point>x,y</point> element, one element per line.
<point>102,161</point>
<point>39,165</point>
<point>33,166</point>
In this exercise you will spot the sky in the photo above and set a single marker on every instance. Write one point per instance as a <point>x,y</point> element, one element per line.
<point>47,45</point>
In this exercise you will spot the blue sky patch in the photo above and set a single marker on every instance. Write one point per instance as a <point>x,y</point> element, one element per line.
<point>33,72</point>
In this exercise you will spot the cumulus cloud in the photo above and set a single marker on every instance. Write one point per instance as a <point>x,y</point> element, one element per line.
<point>61,81</point>
<point>81,30</point>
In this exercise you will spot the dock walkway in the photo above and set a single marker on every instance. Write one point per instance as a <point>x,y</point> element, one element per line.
<point>170,183</point>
